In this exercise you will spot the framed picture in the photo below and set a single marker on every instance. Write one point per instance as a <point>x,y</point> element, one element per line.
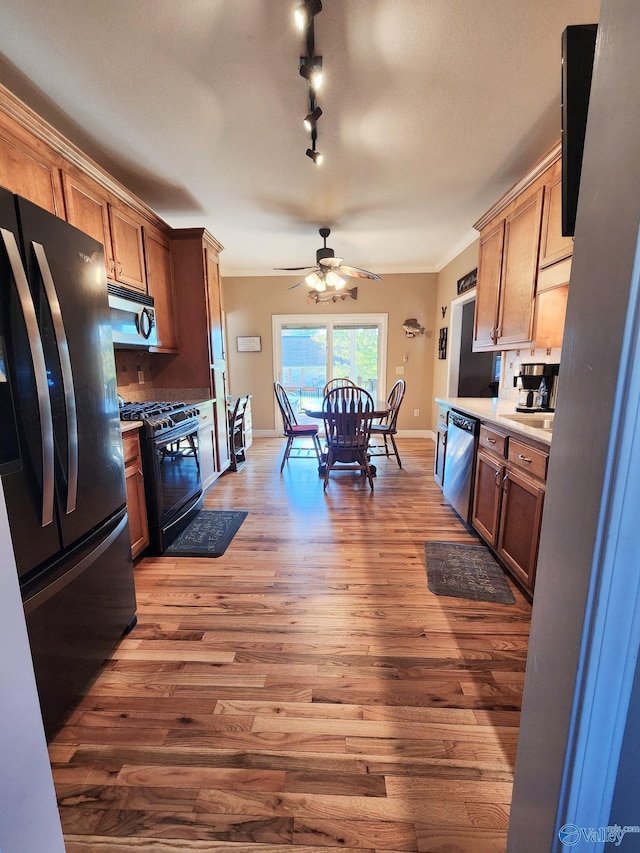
<point>442,343</point>
<point>468,281</point>
<point>249,344</point>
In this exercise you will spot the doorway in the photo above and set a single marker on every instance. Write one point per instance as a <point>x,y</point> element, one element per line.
<point>471,374</point>
<point>309,352</point>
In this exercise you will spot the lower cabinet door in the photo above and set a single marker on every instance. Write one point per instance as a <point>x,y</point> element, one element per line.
<point>136,503</point>
<point>207,449</point>
<point>521,518</point>
<point>487,497</point>
<point>441,450</point>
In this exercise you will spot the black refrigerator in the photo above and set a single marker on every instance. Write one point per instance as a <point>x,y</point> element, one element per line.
<point>61,459</point>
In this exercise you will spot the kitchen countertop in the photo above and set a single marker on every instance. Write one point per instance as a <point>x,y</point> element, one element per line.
<point>125,426</point>
<point>492,410</point>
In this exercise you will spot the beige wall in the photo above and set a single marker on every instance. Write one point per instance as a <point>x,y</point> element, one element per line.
<point>448,277</point>
<point>250,302</point>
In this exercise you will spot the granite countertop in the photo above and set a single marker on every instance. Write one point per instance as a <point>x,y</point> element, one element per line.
<point>493,410</point>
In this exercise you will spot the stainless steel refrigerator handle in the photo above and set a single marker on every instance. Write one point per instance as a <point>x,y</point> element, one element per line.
<point>39,369</point>
<point>67,375</point>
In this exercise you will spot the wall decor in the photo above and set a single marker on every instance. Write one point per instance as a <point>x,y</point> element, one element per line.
<point>468,281</point>
<point>249,344</point>
<point>442,343</point>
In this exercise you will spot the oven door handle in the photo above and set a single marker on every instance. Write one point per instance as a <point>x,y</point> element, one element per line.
<point>145,322</point>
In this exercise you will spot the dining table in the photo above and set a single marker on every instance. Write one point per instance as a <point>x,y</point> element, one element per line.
<point>381,410</point>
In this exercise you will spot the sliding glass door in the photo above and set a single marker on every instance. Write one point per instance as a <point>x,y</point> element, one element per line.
<point>309,352</point>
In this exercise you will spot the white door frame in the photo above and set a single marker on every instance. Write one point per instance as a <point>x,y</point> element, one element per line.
<point>455,341</point>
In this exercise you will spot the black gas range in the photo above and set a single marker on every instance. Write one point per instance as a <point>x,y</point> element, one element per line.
<point>160,417</point>
<point>171,466</point>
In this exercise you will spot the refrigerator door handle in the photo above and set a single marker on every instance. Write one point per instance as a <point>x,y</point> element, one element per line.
<point>67,375</point>
<point>39,369</point>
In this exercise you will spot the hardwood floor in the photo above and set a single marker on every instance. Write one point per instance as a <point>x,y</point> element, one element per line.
<point>305,692</point>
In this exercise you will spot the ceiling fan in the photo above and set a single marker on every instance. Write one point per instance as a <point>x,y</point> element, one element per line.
<point>329,273</point>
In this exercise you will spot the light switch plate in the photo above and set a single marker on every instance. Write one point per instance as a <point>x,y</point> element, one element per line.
<point>400,371</point>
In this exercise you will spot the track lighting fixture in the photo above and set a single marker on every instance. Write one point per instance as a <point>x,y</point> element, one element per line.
<point>312,118</point>
<point>305,13</point>
<point>316,156</point>
<point>311,70</point>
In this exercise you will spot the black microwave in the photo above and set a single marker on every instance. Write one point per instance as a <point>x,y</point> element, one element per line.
<point>133,319</point>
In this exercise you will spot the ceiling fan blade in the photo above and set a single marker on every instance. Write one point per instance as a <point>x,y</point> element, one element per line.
<point>293,286</point>
<point>354,272</point>
<point>331,263</point>
<point>292,269</point>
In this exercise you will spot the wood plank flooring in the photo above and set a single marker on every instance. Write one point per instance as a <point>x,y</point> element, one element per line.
<point>305,692</point>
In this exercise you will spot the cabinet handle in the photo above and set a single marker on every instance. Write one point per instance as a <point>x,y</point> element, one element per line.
<point>119,267</point>
<point>492,333</point>
<point>491,440</point>
<point>498,331</point>
<point>505,482</point>
<point>496,477</point>
<point>112,265</point>
<point>524,458</point>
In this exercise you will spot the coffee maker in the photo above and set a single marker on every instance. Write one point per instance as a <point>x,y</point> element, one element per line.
<point>537,385</point>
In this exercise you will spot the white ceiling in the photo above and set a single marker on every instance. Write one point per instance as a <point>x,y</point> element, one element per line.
<point>432,109</point>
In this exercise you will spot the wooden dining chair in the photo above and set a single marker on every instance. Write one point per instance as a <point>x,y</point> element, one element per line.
<point>293,430</point>
<point>347,412</point>
<point>387,428</point>
<point>339,382</point>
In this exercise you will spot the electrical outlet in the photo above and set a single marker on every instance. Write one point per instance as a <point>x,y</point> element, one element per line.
<point>400,371</point>
<point>416,413</point>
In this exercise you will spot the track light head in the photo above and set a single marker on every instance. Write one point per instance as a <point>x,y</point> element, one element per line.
<point>305,13</point>
<point>316,156</point>
<point>312,118</point>
<point>311,70</point>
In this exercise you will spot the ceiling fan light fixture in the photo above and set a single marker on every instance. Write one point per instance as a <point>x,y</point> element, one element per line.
<point>312,118</point>
<point>316,156</point>
<point>312,279</point>
<point>334,280</point>
<point>305,12</point>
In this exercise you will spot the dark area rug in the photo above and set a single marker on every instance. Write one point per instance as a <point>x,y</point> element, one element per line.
<point>208,535</point>
<point>466,571</point>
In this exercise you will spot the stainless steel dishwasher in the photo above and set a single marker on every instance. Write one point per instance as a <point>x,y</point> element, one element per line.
<point>462,442</point>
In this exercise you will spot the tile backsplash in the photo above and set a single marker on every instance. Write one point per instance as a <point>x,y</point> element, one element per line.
<point>511,361</point>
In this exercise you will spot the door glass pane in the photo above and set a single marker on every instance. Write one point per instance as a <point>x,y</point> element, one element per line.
<point>304,366</point>
<point>355,355</point>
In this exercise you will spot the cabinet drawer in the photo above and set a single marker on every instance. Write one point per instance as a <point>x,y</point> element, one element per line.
<point>495,442</point>
<point>528,458</point>
<point>206,414</point>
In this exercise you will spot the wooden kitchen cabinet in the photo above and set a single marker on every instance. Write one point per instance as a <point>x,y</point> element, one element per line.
<point>507,273</point>
<point>508,500</point>
<point>207,443</point>
<point>136,503</point>
<point>553,246</point>
<point>87,208</point>
<point>118,227</point>
<point>126,241</point>
<point>28,167</point>
<point>160,285</point>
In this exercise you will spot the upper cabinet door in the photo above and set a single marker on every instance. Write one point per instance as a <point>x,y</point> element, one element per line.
<point>160,284</point>
<point>488,289</point>
<point>519,272</point>
<point>31,172</point>
<point>88,210</point>
<point>553,246</point>
<point>126,237</point>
